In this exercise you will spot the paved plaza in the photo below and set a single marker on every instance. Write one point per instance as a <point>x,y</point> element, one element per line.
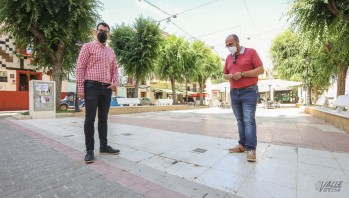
<point>176,154</point>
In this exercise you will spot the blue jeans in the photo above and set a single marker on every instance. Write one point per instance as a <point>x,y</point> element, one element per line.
<point>96,96</point>
<point>244,104</point>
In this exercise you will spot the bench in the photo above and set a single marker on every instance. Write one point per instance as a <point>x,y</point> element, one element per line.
<point>322,102</point>
<point>270,104</point>
<point>163,102</point>
<point>339,117</point>
<point>192,104</point>
<point>342,104</point>
<point>129,101</point>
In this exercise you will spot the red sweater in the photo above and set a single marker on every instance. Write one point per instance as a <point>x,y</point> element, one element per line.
<point>246,61</point>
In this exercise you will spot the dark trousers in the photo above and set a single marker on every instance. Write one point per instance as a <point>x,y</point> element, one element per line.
<point>97,96</point>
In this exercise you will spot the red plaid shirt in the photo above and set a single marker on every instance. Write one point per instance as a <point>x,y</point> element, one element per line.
<point>96,62</point>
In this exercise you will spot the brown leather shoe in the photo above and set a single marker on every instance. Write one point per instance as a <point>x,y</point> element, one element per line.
<point>238,149</point>
<point>251,155</point>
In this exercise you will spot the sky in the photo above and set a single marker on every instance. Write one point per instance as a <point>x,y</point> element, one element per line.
<point>256,22</point>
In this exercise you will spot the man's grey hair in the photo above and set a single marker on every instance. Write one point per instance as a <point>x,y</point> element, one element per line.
<point>234,36</point>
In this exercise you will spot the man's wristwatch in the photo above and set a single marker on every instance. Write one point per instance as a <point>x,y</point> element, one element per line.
<point>242,74</point>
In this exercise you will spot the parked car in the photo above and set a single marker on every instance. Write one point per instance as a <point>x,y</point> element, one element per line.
<point>146,101</point>
<point>114,102</point>
<point>69,102</point>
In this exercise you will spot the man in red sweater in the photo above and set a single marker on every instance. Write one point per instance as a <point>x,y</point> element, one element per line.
<point>242,67</point>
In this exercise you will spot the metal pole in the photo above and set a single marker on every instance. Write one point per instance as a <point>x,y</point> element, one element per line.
<point>77,101</point>
<point>306,93</point>
<point>186,87</point>
<point>225,97</point>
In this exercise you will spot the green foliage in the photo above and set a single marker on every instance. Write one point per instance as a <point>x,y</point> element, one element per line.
<point>179,60</point>
<point>207,64</point>
<point>316,21</point>
<point>175,59</point>
<point>51,27</point>
<point>324,24</point>
<point>25,113</point>
<point>122,43</point>
<point>137,47</point>
<point>311,16</point>
<point>291,55</point>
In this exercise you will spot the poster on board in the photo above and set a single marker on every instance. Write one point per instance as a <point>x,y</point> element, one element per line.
<point>43,96</point>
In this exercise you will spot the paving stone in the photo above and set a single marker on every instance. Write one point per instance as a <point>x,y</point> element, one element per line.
<point>29,168</point>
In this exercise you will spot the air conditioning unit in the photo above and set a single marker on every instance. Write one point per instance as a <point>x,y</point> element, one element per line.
<point>2,87</point>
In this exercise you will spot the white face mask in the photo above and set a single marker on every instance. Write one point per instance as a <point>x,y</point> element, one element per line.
<point>233,49</point>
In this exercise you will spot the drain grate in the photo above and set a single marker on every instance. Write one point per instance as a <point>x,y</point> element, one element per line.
<point>126,134</point>
<point>200,150</point>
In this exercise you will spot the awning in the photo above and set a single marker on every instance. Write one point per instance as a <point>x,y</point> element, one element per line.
<point>189,92</point>
<point>276,84</point>
<point>167,91</point>
<point>198,94</point>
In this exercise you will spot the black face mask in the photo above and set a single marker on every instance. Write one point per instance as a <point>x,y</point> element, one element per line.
<point>102,37</point>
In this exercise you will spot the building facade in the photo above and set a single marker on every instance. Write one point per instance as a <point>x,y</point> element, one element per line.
<point>15,73</point>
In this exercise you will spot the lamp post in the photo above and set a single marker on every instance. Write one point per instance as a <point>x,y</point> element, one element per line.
<point>307,96</point>
<point>77,100</point>
<point>225,97</point>
<point>186,86</point>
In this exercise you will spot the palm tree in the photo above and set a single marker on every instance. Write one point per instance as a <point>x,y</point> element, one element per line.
<point>207,65</point>
<point>137,48</point>
<point>173,60</point>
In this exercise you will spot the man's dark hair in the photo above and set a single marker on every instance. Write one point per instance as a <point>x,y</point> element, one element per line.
<point>103,24</point>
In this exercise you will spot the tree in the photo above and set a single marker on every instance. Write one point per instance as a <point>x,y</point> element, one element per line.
<point>326,22</point>
<point>137,47</point>
<point>339,8</point>
<point>295,59</point>
<point>52,28</point>
<point>174,60</point>
<point>207,64</point>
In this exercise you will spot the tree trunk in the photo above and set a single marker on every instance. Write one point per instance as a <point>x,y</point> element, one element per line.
<point>308,99</point>
<point>315,91</point>
<point>174,95</point>
<point>57,77</point>
<point>135,95</point>
<point>342,75</point>
<point>201,93</point>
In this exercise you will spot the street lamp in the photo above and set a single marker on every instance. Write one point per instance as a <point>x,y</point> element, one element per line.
<point>307,95</point>
<point>186,86</point>
<point>77,101</point>
<point>225,97</point>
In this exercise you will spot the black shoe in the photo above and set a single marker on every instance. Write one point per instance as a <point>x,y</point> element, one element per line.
<point>89,157</point>
<point>108,150</point>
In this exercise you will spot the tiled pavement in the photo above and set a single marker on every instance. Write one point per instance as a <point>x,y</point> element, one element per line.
<point>178,153</point>
<point>31,168</point>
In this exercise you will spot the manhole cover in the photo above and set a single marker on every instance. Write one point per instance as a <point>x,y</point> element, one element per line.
<point>200,150</point>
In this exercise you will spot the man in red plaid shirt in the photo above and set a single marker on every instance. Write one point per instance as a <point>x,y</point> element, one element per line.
<point>97,77</point>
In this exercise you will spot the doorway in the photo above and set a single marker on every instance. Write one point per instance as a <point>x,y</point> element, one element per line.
<point>23,78</point>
